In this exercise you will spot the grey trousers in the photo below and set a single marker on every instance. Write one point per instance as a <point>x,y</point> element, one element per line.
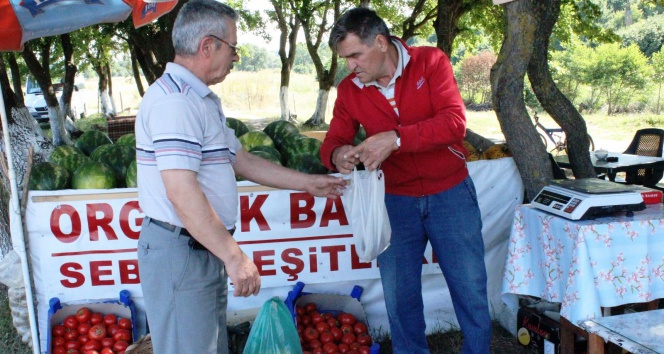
<point>185,293</point>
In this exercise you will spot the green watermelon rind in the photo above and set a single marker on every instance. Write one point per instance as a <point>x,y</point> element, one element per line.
<point>61,151</point>
<point>73,161</point>
<point>131,180</point>
<point>48,176</point>
<point>94,175</point>
<point>128,139</point>
<point>279,130</point>
<point>92,139</point>
<point>118,157</point>
<point>255,138</point>
<point>237,125</point>
<point>267,156</point>
<point>269,150</point>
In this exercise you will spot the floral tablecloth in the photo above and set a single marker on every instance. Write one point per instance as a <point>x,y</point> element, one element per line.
<point>585,265</point>
<point>639,333</point>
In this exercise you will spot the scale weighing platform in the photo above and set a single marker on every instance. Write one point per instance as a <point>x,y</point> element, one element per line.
<point>588,198</point>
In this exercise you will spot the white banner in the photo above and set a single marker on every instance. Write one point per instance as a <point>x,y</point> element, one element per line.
<point>82,243</point>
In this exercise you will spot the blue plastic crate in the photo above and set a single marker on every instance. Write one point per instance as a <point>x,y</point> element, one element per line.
<point>297,293</point>
<point>120,307</point>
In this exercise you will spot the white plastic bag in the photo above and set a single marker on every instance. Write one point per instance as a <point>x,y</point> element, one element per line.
<point>368,214</point>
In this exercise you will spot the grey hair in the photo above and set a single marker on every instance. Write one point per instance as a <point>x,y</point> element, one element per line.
<point>360,21</point>
<point>198,19</point>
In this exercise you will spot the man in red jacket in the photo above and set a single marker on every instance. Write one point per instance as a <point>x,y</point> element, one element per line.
<point>407,100</point>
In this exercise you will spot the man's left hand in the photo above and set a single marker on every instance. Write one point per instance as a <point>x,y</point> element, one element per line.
<point>375,149</point>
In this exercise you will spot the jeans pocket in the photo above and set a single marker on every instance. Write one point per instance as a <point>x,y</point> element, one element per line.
<point>470,186</point>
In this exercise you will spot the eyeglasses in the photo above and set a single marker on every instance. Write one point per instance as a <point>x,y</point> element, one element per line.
<point>234,48</point>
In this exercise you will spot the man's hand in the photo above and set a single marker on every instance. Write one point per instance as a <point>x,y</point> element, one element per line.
<point>344,161</point>
<point>326,186</point>
<point>374,150</point>
<point>244,275</point>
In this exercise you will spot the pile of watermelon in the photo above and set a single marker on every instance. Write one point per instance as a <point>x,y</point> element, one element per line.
<point>281,142</point>
<point>93,162</point>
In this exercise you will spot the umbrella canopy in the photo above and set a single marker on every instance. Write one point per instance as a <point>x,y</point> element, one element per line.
<point>23,20</point>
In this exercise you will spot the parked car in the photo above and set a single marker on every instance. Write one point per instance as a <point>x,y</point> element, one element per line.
<point>34,100</point>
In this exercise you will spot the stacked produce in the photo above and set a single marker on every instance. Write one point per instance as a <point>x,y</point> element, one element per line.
<point>328,333</point>
<point>93,162</point>
<point>89,332</point>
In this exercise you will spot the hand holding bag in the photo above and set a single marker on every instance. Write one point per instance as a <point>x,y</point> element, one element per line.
<point>368,214</point>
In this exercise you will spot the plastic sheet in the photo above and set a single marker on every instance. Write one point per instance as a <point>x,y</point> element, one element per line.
<point>12,276</point>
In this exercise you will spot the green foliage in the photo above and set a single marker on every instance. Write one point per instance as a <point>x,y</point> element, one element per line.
<point>648,35</point>
<point>255,58</point>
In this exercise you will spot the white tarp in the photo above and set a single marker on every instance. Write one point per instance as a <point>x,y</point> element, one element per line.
<point>83,246</point>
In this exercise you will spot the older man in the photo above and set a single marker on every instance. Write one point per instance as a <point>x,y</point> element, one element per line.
<point>187,162</point>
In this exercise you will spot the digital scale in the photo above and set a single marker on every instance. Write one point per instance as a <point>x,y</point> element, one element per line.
<point>588,198</point>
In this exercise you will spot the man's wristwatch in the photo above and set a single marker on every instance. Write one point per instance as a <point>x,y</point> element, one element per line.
<point>398,142</point>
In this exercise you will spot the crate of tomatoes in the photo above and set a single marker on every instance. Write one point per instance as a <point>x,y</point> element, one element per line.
<point>331,323</point>
<point>100,327</point>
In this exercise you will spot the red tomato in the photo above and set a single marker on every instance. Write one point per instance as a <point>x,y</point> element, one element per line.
<point>300,310</point>
<point>322,326</point>
<point>318,350</point>
<point>310,307</point>
<point>72,351</point>
<point>91,345</point>
<point>112,329</point>
<point>58,330</point>
<point>59,350</point>
<point>72,344</point>
<point>83,315</point>
<point>120,346</point>
<point>364,350</point>
<point>310,334</point>
<point>336,333</point>
<point>343,348</point>
<point>306,320</point>
<point>71,334</point>
<point>330,347</point>
<point>90,352</point>
<point>97,332</point>
<point>346,318</point>
<point>83,338</point>
<point>107,350</point>
<point>315,317</point>
<point>346,328</point>
<point>354,346</point>
<point>364,339</point>
<point>70,322</point>
<point>359,328</point>
<point>107,342</point>
<point>58,341</point>
<point>124,323</point>
<point>333,322</point>
<point>348,338</point>
<point>96,317</point>
<point>325,337</point>
<point>122,334</point>
<point>315,343</point>
<point>83,328</point>
<point>110,319</point>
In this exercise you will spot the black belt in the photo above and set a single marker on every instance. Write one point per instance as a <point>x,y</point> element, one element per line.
<point>193,243</point>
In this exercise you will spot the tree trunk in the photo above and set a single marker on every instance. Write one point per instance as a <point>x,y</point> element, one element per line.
<point>507,83</point>
<point>449,12</point>
<point>16,78</point>
<point>288,29</point>
<point>318,117</point>
<point>137,74</point>
<point>42,75</point>
<point>113,110</point>
<point>70,74</point>
<point>553,101</point>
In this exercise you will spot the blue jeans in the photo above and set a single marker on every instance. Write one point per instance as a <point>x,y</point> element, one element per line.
<point>451,221</point>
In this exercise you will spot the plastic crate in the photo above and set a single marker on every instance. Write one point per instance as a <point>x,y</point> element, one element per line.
<point>123,307</point>
<point>330,303</point>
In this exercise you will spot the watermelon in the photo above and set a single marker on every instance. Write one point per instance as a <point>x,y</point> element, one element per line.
<point>61,151</point>
<point>255,138</point>
<point>274,152</point>
<point>131,180</point>
<point>360,136</point>
<point>308,163</point>
<point>94,175</point>
<point>47,176</point>
<point>300,145</point>
<point>279,130</point>
<point>73,161</point>
<point>118,157</point>
<point>237,125</point>
<point>127,139</point>
<point>267,156</point>
<point>92,139</point>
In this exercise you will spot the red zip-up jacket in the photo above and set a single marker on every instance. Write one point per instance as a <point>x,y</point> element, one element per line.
<point>431,123</point>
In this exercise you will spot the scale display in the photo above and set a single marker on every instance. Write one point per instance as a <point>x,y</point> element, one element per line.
<point>588,198</point>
